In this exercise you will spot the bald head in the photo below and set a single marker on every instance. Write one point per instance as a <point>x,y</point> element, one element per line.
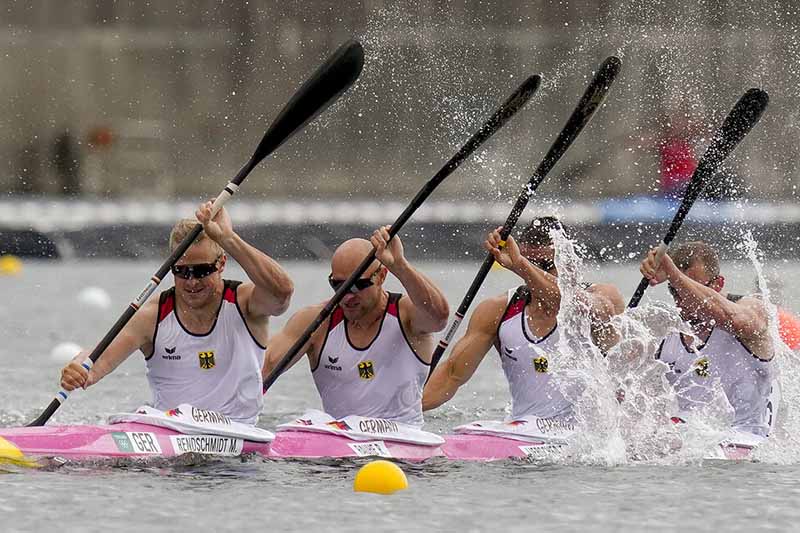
<point>348,256</point>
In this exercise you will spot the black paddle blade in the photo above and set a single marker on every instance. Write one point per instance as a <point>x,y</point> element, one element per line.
<point>739,122</point>
<point>503,114</point>
<point>592,99</point>
<point>500,117</point>
<point>330,80</point>
<point>322,89</point>
<point>742,118</point>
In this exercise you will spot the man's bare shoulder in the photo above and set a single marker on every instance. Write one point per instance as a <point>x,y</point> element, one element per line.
<point>755,305</point>
<point>304,316</point>
<point>309,311</point>
<point>489,312</point>
<point>610,293</point>
<point>143,323</point>
<point>148,313</point>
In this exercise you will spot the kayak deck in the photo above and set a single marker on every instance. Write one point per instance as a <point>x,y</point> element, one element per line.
<point>135,440</point>
<point>122,440</point>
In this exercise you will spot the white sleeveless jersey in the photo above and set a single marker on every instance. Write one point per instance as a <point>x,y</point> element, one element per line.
<point>748,382</point>
<point>383,380</point>
<point>529,363</point>
<point>218,371</point>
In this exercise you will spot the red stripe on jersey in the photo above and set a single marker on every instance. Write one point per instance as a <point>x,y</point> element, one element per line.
<point>392,308</point>
<point>336,318</point>
<point>229,295</point>
<point>514,309</point>
<point>166,307</point>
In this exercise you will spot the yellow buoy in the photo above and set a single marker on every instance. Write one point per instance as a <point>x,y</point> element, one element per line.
<point>380,477</point>
<point>10,265</point>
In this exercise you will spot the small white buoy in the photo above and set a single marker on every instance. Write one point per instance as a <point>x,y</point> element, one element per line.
<point>94,297</point>
<point>64,351</point>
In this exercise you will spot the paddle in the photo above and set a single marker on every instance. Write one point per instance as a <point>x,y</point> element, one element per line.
<point>507,110</point>
<point>323,88</point>
<point>588,104</point>
<point>744,115</point>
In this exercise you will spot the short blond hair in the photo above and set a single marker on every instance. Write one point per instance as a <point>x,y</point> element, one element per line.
<point>184,227</point>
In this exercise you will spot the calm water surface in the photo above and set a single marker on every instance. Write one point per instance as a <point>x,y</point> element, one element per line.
<point>39,309</point>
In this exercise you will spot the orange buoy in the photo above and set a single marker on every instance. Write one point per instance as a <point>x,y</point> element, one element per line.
<point>789,328</point>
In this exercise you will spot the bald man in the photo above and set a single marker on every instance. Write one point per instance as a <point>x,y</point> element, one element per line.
<point>371,356</point>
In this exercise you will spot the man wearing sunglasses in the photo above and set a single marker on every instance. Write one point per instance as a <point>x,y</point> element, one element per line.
<point>371,356</point>
<point>731,347</point>
<point>521,324</point>
<point>203,339</point>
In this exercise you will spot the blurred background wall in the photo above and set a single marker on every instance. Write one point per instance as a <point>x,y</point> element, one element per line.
<point>168,99</point>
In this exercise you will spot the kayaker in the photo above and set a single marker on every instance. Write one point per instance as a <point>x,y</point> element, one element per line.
<point>203,339</point>
<point>521,324</point>
<point>372,355</point>
<point>731,346</point>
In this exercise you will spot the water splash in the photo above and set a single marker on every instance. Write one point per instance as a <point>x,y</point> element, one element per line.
<point>596,409</point>
<point>783,447</point>
<point>639,427</point>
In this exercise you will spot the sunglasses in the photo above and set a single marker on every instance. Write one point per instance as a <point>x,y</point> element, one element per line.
<point>198,271</point>
<point>357,286</point>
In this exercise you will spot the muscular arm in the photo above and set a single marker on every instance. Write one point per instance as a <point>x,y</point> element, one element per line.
<point>271,289</point>
<point>466,355</point>
<point>137,334</point>
<point>281,342</point>
<point>746,319</point>
<point>542,285</point>
<point>604,302</point>
<point>430,311</point>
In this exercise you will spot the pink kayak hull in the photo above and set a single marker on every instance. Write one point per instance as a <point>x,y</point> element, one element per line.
<point>466,447</point>
<point>133,440</point>
<point>312,445</point>
<point>119,440</point>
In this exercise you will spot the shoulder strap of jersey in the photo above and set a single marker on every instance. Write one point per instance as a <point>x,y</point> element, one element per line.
<point>336,318</point>
<point>229,290</point>
<point>166,304</point>
<point>517,302</point>
<point>515,305</point>
<point>393,306</point>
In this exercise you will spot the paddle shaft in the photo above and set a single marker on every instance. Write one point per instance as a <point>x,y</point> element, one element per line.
<point>591,100</point>
<point>324,86</point>
<point>154,282</point>
<point>500,117</point>
<point>742,118</point>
